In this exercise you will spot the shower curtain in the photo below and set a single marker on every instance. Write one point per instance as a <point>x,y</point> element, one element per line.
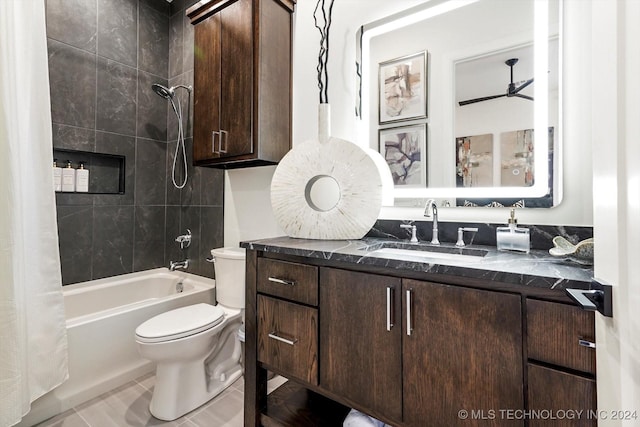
<point>33,341</point>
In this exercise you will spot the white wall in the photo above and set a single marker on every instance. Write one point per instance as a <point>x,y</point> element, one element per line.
<point>243,212</point>
<point>615,128</point>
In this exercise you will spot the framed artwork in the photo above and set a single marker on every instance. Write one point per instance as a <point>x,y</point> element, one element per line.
<point>474,161</point>
<point>516,169</point>
<point>405,150</point>
<point>516,158</point>
<point>402,86</point>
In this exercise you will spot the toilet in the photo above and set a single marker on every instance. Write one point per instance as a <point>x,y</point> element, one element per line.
<point>196,348</point>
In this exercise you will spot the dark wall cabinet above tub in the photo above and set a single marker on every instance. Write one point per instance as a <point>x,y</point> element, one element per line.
<point>242,82</point>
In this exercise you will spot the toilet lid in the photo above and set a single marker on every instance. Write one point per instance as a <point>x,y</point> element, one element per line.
<point>180,323</point>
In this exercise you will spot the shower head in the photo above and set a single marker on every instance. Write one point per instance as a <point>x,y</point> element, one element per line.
<point>168,92</point>
<point>163,91</point>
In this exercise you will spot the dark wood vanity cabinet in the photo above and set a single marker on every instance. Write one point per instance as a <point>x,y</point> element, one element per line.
<point>406,351</point>
<point>242,82</point>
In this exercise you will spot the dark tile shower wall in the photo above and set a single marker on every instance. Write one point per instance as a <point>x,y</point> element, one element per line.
<point>103,57</point>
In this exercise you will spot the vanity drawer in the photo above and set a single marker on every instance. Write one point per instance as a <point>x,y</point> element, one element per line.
<point>297,282</point>
<point>556,391</point>
<point>288,338</point>
<point>555,332</point>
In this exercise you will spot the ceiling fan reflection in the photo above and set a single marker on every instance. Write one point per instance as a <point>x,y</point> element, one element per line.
<point>512,89</point>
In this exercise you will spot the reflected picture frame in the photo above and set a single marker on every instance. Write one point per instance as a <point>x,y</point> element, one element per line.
<point>402,84</point>
<point>404,148</point>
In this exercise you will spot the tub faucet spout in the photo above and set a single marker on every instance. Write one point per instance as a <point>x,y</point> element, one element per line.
<point>174,265</point>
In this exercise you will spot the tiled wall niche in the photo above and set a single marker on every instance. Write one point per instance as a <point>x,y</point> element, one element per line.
<point>104,55</point>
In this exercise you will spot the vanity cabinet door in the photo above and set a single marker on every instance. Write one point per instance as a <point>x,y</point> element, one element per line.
<point>462,350</point>
<point>360,340</point>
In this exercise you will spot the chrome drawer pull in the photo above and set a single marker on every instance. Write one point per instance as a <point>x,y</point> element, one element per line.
<point>224,135</point>
<point>409,326</point>
<point>282,281</point>
<point>284,340</point>
<point>390,315</point>
<point>213,141</point>
<point>586,343</point>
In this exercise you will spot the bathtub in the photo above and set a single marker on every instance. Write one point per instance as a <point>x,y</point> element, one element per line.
<point>102,316</point>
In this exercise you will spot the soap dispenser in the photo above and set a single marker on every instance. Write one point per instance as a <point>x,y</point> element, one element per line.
<point>69,178</point>
<point>512,237</point>
<point>57,176</point>
<point>82,179</point>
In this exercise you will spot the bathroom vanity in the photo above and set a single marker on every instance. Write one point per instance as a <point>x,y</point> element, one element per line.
<point>414,337</point>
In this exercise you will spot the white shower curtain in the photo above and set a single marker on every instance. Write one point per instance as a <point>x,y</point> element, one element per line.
<point>33,341</point>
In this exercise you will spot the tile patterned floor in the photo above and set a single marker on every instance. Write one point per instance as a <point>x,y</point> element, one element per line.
<point>129,406</point>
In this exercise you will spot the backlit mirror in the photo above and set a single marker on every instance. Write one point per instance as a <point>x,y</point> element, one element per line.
<point>462,99</point>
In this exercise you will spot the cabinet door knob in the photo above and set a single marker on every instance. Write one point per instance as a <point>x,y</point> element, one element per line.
<point>282,281</point>
<point>390,315</point>
<point>274,335</point>
<point>409,325</point>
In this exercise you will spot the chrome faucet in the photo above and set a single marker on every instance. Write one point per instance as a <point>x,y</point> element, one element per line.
<point>431,209</point>
<point>184,240</point>
<point>411,227</point>
<point>174,265</point>
<point>461,230</point>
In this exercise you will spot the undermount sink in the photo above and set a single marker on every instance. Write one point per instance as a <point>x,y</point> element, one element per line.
<point>398,250</point>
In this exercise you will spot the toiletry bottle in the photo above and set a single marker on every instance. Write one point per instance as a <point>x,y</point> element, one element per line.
<point>57,176</point>
<point>82,179</point>
<point>512,237</point>
<point>69,178</point>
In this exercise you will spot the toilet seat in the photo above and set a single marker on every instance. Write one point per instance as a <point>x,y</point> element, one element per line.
<point>179,323</point>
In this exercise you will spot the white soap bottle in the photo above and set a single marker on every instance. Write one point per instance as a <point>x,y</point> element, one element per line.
<point>82,179</point>
<point>513,238</point>
<point>69,178</point>
<point>57,176</point>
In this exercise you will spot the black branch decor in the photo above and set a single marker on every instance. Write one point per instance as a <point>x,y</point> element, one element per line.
<point>322,21</point>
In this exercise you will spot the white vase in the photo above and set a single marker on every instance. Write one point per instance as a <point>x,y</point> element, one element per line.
<point>351,186</point>
<point>324,122</point>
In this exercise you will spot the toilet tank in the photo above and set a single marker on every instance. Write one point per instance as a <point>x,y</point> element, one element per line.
<point>229,267</point>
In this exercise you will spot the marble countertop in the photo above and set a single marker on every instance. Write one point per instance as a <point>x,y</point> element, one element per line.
<point>536,269</point>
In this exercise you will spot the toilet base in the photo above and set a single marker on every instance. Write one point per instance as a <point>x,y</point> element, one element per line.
<point>182,387</point>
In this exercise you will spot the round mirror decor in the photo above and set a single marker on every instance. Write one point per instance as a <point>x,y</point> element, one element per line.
<point>327,189</point>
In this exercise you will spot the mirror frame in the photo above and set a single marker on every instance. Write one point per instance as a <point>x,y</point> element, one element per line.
<point>431,9</point>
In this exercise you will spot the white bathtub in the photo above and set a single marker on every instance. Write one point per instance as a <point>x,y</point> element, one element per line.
<point>102,316</point>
